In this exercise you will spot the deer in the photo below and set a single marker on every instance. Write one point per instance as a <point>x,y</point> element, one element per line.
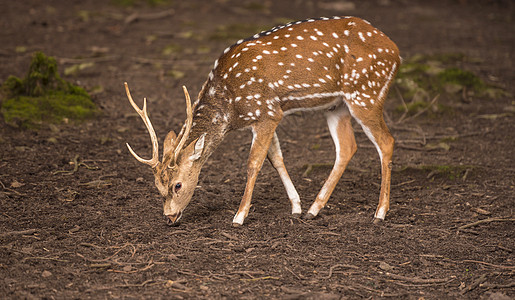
<point>341,65</point>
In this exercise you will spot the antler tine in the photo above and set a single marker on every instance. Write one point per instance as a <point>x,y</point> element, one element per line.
<point>154,161</point>
<point>189,122</point>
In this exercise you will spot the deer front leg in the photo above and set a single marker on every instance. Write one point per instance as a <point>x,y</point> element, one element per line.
<point>262,137</point>
<point>276,158</point>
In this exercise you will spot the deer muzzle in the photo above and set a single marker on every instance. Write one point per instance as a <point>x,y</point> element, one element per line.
<point>174,219</point>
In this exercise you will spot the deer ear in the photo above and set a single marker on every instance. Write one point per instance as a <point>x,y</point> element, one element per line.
<point>169,143</point>
<point>199,146</point>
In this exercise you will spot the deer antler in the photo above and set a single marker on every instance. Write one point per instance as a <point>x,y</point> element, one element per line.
<point>154,161</point>
<point>189,122</point>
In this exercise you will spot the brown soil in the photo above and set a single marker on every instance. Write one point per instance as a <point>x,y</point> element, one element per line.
<point>96,231</point>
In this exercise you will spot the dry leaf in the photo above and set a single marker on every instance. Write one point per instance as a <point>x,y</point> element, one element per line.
<point>15,184</point>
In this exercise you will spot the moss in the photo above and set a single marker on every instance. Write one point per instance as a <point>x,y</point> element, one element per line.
<point>421,78</point>
<point>461,77</point>
<point>43,96</point>
<point>256,6</point>
<point>448,171</point>
<point>172,49</point>
<point>130,3</point>
<point>413,107</point>
<point>433,73</point>
<point>237,31</point>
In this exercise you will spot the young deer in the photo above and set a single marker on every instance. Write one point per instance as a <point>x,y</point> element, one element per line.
<point>340,64</point>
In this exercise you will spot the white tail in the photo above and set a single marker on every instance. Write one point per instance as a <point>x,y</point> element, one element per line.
<point>341,64</point>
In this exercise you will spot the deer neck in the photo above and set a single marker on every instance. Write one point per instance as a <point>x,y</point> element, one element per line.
<point>210,118</point>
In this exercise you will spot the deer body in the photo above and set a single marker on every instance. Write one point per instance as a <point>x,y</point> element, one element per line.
<point>341,64</point>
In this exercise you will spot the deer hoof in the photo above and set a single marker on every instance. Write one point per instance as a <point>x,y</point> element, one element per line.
<point>309,216</point>
<point>237,225</point>
<point>296,216</point>
<point>377,221</point>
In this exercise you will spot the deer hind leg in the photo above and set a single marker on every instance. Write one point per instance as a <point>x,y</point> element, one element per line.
<point>276,158</point>
<point>376,130</point>
<point>339,122</point>
<point>262,137</point>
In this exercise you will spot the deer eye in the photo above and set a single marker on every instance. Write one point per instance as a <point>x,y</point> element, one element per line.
<point>178,186</point>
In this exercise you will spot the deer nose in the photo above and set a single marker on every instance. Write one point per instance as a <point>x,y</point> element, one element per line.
<point>172,220</point>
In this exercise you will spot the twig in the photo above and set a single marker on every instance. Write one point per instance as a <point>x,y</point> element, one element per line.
<point>498,286</point>
<point>191,274</point>
<point>489,220</point>
<point>425,109</point>
<point>148,266</point>
<point>381,293</point>
<point>423,285</point>
<point>249,273</point>
<point>137,285</point>
<point>467,134</point>
<point>293,273</point>
<point>90,245</point>
<point>406,110</point>
<point>44,258</point>
<point>184,63</point>
<point>150,16</point>
<point>10,190</point>
<point>261,278</point>
<point>417,279</point>
<point>75,167</point>
<point>489,264</point>
<point>127,285</point>
<point>401,146</point>
<point>90,59</point>
<point>403,183</point>
<point>101,266</point>
<point>20,232</point>
<point>231,237</point>
<point>331,269</point>
<point>474,284</point>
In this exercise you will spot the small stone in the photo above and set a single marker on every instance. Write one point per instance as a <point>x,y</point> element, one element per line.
<point>52,140</point>
<point>172,257</point>
<point>74,229</point>
<point>46,274</point>
<point>127,268</point>
<point>452,88</point>
<point>385,267</point>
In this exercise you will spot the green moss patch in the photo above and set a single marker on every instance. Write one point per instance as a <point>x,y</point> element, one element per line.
<point>236,31</point>
<point>43,96</point>
<point>431,83</point>
<point>131,3</point>
<point>437,74</point>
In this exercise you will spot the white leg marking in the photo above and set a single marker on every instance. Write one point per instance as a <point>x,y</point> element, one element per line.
<point>292,195</point>
<point>372,139</point>
<point>381,213</point>
<point>332,122</point>
<point>283,174</point>
<point>239,218</point>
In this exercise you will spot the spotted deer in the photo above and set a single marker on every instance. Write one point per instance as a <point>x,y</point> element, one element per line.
<point>342,65</point>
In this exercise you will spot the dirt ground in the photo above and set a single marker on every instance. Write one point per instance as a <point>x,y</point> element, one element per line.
<point>81,218</point>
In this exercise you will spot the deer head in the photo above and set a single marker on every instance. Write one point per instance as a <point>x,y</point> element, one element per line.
<point>176,176</point>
